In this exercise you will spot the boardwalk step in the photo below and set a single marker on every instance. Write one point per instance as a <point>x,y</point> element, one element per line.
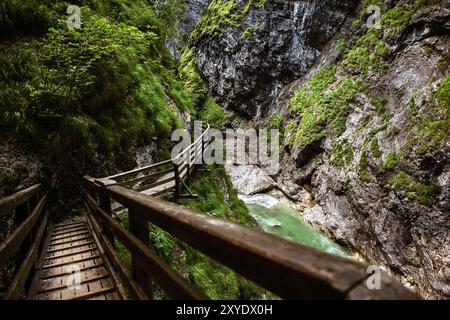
<point>71,267</point>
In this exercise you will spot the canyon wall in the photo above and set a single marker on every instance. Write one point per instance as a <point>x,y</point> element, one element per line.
<point>364,115</point>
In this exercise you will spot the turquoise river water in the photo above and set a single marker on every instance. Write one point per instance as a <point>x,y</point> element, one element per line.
<point>279,219</point>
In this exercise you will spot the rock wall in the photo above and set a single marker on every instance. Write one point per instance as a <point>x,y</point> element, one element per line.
<point>381,185</point>
<point>246,67</point>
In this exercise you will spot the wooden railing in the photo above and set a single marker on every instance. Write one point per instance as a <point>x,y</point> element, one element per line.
<point>168,176</point>
<point>285,268</point>
<point>288,269</point>
<point>26,208</point>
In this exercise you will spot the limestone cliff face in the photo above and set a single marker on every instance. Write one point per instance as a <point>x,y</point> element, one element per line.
<point>375,155</point>
<point>193,14</point>
<point>278,42</point>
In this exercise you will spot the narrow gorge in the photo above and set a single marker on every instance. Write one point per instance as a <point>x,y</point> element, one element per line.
<point>358,90</point>
<point>364,115</point>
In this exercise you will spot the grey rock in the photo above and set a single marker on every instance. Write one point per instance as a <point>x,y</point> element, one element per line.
<point>247,74</point>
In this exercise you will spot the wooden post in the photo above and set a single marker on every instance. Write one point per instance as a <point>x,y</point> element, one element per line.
<point>105,204</point>
<point>203,148</point>
<point>177,182</point>
<point>139,228</point>
<point>22,213</point>
<point>188,176</point>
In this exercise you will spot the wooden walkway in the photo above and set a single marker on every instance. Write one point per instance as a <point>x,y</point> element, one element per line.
<point>79,260</point>
<point>73,255</point>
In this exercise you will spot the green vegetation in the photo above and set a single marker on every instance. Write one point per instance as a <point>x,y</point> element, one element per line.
<point>276,121</point>
<point>380,105</point>
<point>212,113</point>
<point>76,93</point>
<point>222,14</point>
<point>363,168</point>
<point>216,197</point>
<point>424,3</point>
<point>390,162</point>
<point>248,33</point>
<point>375,148</point>
<point>318,106</point>
<point>432,129</point>
<point>31,17</point>
<point>206,108</point>
<point>191,77</point>
<point>428,51</point>
<point>413,107</point>
<point>394,132</point>
<point>342,154</point>
<point>9,180</point>
<point>367,54</point>
<point>396,17</point>
<point>422,193</point>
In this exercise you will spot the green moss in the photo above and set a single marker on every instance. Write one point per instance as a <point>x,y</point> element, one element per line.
<point>378,3</point>
<point>212,198</point>
<point>248,33</point>
<point>422,193</point>
<point>356,25</point>
<point>319,106</point>
<point>375,148</point>
<point>341,42</point>
<point>442,95</point>
<point>380,105</point>
<point>413,107</point>
<point>390,162</point>
<point>222,14</point>
<point>396,17</point>
<point>428,51</point>
<point>418,4</point>
<point>205,106</point>
<point>365,121</point>
<point>191,77</point>
<point>367,54</point>
<point>342,154</point>
<point>212,113</point>
<point>276,121</point>
<point>394,132</point>
<point>432,129</point>
<point>363,168</point>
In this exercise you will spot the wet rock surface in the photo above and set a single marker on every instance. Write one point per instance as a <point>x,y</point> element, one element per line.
<point>358,204</point>
<point>287,37</point>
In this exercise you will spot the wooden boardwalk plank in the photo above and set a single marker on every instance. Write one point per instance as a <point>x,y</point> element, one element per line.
<point>71,249</point>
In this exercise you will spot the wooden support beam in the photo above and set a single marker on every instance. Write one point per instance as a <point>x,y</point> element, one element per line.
<point>139,228</point>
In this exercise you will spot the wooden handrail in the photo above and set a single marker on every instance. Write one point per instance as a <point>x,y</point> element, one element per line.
<point>18,283</point>
<point>13,201</point>
<point>288,269</point>
<point>134,172</point>
<point>26,238</point>
<point>166,277</point>
<point>291,270</point>
<point>13,242</point>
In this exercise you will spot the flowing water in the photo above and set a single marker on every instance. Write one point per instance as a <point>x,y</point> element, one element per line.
<point>279,219</point>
